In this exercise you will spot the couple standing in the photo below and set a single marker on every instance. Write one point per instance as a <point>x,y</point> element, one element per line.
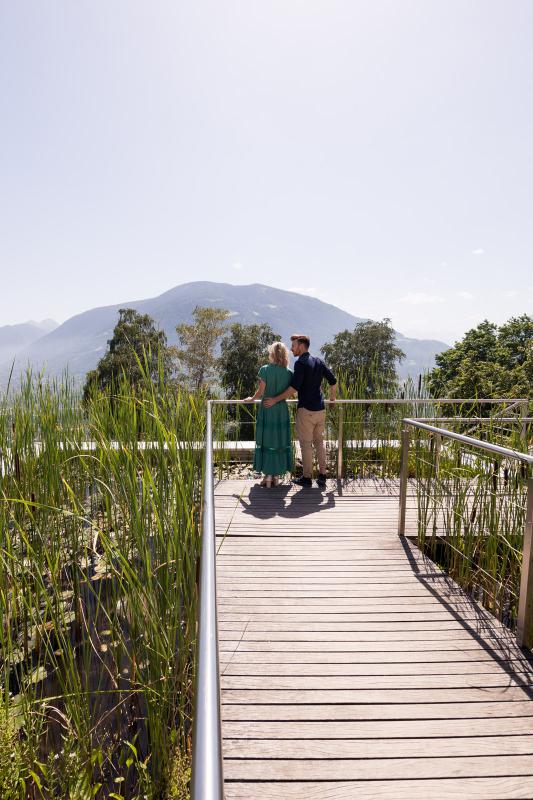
<point>273,441</point>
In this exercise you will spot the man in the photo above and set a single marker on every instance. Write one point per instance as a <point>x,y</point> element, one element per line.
<point>309,372</point>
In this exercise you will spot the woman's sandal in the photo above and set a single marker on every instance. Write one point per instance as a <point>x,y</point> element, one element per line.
<point>266,482</point>
<point>276,481</point>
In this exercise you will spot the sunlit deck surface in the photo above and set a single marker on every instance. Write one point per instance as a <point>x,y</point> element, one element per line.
<point>351,667</point>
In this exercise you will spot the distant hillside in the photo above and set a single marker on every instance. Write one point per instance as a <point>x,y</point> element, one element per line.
<point>81,341</point>
<point>14,338</point>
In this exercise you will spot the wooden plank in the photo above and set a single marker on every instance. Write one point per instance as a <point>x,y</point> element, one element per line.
<point>379,617</point>
<point>393,594</point>
<point>364,748</point>
<point>395,604</point>
<point>276,593</point>
<point>377,729</point>
<point>389,768</point>
<point>372,696</point>
<point>340,646</point>
<point>318,575</point>
<point>384,711</point>
<point>307,582</point>
<point>457,634</point>
<point>494,788</point>
<point>329,683</point>
<point>357,638</point>
<point>417,670</point>
<point>346,654</point>
<point>384,657</point>
<point>343,627</point>
<point>325,581</point>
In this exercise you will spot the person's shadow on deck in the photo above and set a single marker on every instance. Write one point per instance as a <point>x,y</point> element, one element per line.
<point>268,503</point>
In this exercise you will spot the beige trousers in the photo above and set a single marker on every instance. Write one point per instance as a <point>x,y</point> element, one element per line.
<point>310,431</point>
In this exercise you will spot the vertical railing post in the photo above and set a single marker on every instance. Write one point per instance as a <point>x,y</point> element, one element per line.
<point>207,773</point>
<point>340,442</point>
<point>524,627</point>
<point>438,447</point>
<point>524,408</point>
<point>404,467</point>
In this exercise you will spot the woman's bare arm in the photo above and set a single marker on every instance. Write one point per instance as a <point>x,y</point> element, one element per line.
<point>259,393</point>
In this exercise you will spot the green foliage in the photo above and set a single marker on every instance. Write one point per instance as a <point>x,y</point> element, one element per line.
<point>137,346</point>
<point>180,776</point>
<point>243,352</point>
<point>489,361</point>
<point>98,554</point>
<point>367,355</point>
<point>198,342</point>
<point>15,769</point>
<point>471,516</point>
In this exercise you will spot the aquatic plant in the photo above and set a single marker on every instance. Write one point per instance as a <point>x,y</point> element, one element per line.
<point>99,515</point>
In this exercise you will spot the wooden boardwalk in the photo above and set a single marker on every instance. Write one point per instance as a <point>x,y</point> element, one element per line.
<point>350,666</point>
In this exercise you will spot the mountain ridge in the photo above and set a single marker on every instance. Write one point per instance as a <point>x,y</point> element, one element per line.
<point>14,338</point>
<point>80,341</point>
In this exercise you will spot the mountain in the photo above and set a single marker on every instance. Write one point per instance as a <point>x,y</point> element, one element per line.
<point>14,338</point>
<point>45,325</point>
<point>81,341</point>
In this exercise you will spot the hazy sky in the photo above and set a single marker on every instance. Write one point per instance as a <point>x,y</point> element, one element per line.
<point>375,153</point>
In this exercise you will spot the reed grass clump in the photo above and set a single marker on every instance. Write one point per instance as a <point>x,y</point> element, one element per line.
<point>471,516</point>
<point>99,540</point>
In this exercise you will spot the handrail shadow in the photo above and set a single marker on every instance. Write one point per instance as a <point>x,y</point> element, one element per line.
<point>483,626</point>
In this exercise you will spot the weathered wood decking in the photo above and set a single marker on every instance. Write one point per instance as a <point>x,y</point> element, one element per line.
<point>350,666</point>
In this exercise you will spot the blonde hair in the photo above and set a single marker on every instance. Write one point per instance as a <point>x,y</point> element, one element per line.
<point>278,354</point>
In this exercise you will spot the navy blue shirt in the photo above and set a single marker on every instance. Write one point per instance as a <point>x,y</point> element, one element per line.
<point>309,372</point>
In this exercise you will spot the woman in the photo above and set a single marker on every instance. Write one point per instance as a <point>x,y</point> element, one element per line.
<point>273,445</point>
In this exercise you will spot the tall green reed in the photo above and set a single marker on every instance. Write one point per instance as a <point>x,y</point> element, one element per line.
<point>99,515</point>
<point>471,514</point>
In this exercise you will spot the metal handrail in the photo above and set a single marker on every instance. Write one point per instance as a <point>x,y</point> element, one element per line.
<point>524,626</point>
<point>207,770</point>
<point>522,402</point>
<point>469,440</point>
<point>474,419</point>
<point>207,763</point>
<point>392,401</point>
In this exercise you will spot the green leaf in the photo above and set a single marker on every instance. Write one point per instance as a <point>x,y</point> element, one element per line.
<point>132,748</point>
<point>36,779</point>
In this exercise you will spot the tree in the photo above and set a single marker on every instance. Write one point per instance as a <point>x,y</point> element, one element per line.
<point>366,356</point>
<point>137,348</point>
<point>243,352</point>
<point>198,342</point>
<point>489,361</point>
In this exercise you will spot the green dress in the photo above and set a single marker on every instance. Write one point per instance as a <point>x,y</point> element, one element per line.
<point>273,444</point>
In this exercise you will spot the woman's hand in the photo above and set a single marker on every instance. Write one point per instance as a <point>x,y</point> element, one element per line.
<point>269,402</point>
<point>260,392</point>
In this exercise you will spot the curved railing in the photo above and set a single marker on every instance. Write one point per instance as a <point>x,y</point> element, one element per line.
<point>524,618</point>
<point>207,763</point>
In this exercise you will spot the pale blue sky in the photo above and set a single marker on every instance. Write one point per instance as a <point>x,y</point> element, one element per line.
<point>376,153</point>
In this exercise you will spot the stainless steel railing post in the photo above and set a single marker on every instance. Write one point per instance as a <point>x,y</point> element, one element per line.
<point>340,443</point>
<point>404,474</point>
<point>524,408</point>
<point>207,771</point>
<point>524,626</point>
